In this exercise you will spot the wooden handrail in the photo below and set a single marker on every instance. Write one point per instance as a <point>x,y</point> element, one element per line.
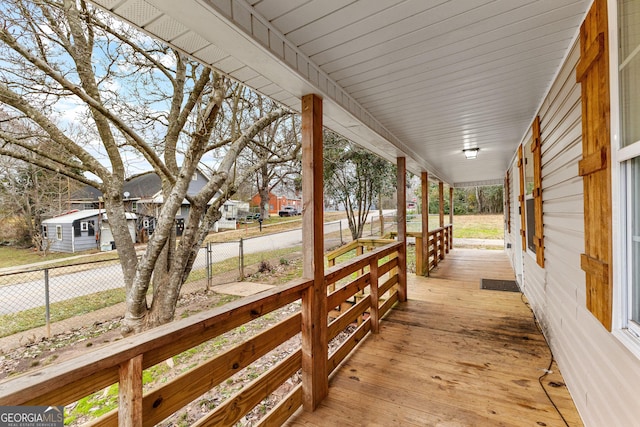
<point>73,379</point>
<point>379,263</point>
<point>332,255</point>
<point>376,271</point>
<point>340,271</point>
<point>123,362</point>
<point>440,242</point>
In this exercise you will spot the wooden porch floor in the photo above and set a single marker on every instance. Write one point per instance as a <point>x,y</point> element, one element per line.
<point>453,355</point>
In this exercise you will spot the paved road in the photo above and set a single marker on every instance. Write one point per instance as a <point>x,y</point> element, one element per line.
<point>30,292</point>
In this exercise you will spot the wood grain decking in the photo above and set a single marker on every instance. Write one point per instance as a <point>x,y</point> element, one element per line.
<point>453,355</point>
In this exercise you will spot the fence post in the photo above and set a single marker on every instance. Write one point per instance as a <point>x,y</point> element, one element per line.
<point>341,241</point>
<point>241,258</point>
<point>47,312</point>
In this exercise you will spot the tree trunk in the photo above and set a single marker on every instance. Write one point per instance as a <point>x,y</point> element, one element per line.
<point>263,192</point>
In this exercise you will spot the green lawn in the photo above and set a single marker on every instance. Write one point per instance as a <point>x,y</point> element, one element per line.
<point>478,226</point>
<point>10,256</point>
<point>465,226</point>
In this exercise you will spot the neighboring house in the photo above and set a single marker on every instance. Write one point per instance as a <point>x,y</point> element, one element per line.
<point>143,197</point>
<point>231,211</point>
<point>107,242</point>
<point>277,202</point>
<point>85,198</point>
<point>83,230</point>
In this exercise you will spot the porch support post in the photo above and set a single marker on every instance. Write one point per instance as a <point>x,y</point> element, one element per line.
<point>315,385</point>
<point>450,205</point>
<point>443,235</point>
<point>451,217</point>
<point>424,250</point>
<point>441,202</point>
<point>402,227</point>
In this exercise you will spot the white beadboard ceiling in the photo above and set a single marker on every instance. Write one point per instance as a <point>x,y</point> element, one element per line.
<point>416,78</point>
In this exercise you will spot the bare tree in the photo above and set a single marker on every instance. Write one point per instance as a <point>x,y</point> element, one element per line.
<point>355,178</point>
<point>134,99</point>
<point>279,143</point>
<point>29,194</point>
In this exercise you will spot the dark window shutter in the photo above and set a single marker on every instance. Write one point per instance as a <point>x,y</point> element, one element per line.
<point>91,228</point>
<point>595,167</point>
<point>77,231</point>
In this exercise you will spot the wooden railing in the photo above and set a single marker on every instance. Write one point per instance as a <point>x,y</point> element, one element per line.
<point>439,244</point>
<point>123,362</point>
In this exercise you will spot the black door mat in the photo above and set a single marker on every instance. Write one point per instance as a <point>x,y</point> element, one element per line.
<point>499,285</point>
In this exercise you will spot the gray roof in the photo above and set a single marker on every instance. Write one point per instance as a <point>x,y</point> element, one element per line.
<point>70,217</point>
<point>143,186</point>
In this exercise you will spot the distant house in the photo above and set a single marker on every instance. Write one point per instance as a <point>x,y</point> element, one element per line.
<point>87,197</point>
<point>231,211</point>
<point>83,230</point>
<point>143,197</point>
<point>277,202</point>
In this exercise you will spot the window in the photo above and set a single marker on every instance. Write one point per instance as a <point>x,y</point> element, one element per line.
<point>59,232</point>
<point>629,155</point>
<point>45,232</point>
<point>530,164</point>
<point>134,206</point>
<point>521,209</point>
<point>528,196</point>
<point>84,226</point>
<point>633,243</point>
<point>531,223</point>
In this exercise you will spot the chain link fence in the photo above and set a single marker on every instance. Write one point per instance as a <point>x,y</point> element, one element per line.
<point>48,296</point>
<point>53,299</point>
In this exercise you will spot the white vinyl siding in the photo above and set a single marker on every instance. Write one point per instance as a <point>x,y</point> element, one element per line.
<point>601,375</point>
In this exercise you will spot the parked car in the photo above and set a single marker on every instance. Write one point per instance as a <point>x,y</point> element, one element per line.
<point>288,211</point>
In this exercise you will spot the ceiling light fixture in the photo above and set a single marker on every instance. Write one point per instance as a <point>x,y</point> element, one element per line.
<point>471,153</point>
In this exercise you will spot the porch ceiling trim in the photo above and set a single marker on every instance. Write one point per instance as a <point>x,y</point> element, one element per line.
<point>260,56</point>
